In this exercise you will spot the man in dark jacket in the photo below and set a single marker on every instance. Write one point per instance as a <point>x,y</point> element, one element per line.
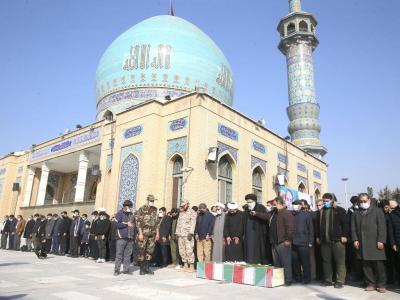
<point>48,231</point>
<point>174,240</point>
<point>394,237</point>
<point>56,238</point>
<point>65,224</point>
<point>93,244</point>
<point>35,232</point>
<point>165,235</point>
<point>13,232</point>
<point>101,235</point>
<point>28,232</point>
<point>303,238</point>
<point>353,264</point>
<point>5,231</point>
<point>126,233</point>
<point>233,233</point>
<point>368,232</point>
<point>203,231</point>
<point>280,236</point>
<point>255,231</point>
<point>75,233</point>
<point>332,231</point>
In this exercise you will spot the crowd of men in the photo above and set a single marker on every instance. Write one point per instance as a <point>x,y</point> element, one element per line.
<point>330,244</point>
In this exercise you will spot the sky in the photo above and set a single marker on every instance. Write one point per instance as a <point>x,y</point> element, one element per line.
<point>49,51</point>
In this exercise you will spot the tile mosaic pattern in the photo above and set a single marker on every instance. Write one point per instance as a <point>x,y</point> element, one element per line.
<point>317,174</point>
<point>301,167</point>
<point>177,146</point>
<point>282,158</point>
<point>318,187</point>
<point>255,161</point>
<point>228,132</point>
<point>302,179</point>
<point>135,149</point>
<point>128,180</point>
<point>109,162</point>
<point>222,148</point>
<point>178,124</point>
<point>133,131</point>
<point>259,147</point>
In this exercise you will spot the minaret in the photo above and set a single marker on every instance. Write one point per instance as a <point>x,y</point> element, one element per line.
<point>298,41</point>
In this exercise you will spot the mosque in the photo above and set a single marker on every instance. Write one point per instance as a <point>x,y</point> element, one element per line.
<point>166,125</point>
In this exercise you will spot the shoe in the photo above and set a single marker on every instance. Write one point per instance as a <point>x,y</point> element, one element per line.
<point>147,268</point>
<point>191,269</point>
<point>127,273</point>
<point>338,285</point>
<point>381,290</point>
<point>178,267</point>
<point>142,268</point>
<point>327,283</point>
<point>185,267</point>
<point>116,273</point>
<point>370,288</point>
<point>288,283</point>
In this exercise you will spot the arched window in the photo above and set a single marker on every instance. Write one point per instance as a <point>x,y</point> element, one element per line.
<point>301,188</point>
<point>93,191</point>
<point>303,26</point>
<point>312,28</point>
<point>291,28</point>
<point>177,182</point>
<point>257,184</point>
<point>108,115</point>
<point>317,195</point>
<point>225,180</point>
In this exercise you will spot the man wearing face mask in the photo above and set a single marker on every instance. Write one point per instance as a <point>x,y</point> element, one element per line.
<point>101,236</point>
<point>368,232</point>
<point>64,232</point>
<point>165,234</point>
<point>185,227</point>
<point>303,238</point>
<point>93,245</point>
<point>19,231</point>
<point>203,232</point>
<point>255,231</point>
<point>126,231</point>
<point>148,234</point>
<point>174,240</point>
<point>233,233</point>
<point>48,233</point>
<point>75,233</point>
<point>28,233</point>
<point>353,264</point>
<point>332,231</point>
<point>35,231</point>
<point>218,248</point>
<point>5,231</point>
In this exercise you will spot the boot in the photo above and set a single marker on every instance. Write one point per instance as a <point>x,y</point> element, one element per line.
<point>191,269</point>
<point>142,268</point>
<point>185,267</point>
<point>148,270</point>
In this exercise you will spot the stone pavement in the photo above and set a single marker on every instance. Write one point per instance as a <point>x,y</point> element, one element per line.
<point>23,276</point>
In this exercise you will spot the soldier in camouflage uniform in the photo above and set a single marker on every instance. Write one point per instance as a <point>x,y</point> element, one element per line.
<point>148,234</point>
<point>185,231</point>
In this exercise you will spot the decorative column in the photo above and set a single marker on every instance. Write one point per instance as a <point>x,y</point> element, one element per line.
<point>81,180</point>
<point>298,41</point>
<point>29,186</point>
<point>43,185</point>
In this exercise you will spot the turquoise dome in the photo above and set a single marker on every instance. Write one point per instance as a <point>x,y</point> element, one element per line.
<point>159,57</point>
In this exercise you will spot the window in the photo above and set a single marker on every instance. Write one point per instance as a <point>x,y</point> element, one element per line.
<point>317,195</point>
<point>177,182</point>
<point>224,180</point>
<point>50,193</point>
<point>108,115</point>
<point>291,28</point>
<point>257,184</point>
<point>301,188</point>
<point>303,26</point>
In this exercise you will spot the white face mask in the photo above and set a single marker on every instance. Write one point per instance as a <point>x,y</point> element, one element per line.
<point>151,203</point>
<point>355,206</point>
<point>214,213</point>
<point>128,210</point>
<point>251,205</point>
<point>296,207</point>
<point>365,205</point>
<point>269,208</point>
<point>161,214</point>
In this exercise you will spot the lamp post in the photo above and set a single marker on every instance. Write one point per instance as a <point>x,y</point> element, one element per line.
<point>345,179</point>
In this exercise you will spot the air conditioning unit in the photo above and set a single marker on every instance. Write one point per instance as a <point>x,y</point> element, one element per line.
<point>280,178</point>
<point>212,155</point>
<point>15,187</point>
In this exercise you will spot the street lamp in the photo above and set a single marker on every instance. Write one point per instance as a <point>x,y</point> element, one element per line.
<point>345,179</point>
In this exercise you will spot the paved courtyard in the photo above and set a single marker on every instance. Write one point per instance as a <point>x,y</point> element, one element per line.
<point>23,276</point>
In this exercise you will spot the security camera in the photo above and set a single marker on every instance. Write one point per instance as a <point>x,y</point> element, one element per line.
<point>187,169</point>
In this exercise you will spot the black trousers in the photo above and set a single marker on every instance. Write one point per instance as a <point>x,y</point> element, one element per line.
<point>11,241</point>
<point>102,248</point>
<point>282,257</point>
<point>73,245</point>
<point>46,246</point>
<point>112,249</point>
<point>64,244</point>
<point>93,246</point>
<point>374,272</point>
<point>301,262</point>
<point>165,254</point>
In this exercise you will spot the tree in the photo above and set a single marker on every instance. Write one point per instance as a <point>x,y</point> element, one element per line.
<point>385,194</point>
<point>370,191</point>
<point>396,194</point>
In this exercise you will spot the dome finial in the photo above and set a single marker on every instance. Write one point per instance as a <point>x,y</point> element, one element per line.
<point>295,5</point>
<point>171,8</point>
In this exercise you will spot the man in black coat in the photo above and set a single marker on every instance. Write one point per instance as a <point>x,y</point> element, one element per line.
<point>303,238</point>
<point>35,231</point>
<point>28,232</point>
<point>368,233</point>
<point>56,239</point>
<point>5,232</point>
<point>332,231</point>
<point>93,245</point>
<point>65,223</point>
<point>255,232</point>
<point>234,233</point>
<point>394,236</point>
<point>165,235</point>
<point>75,233</point>
<point>101,233</point>
<point>13,232</point>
